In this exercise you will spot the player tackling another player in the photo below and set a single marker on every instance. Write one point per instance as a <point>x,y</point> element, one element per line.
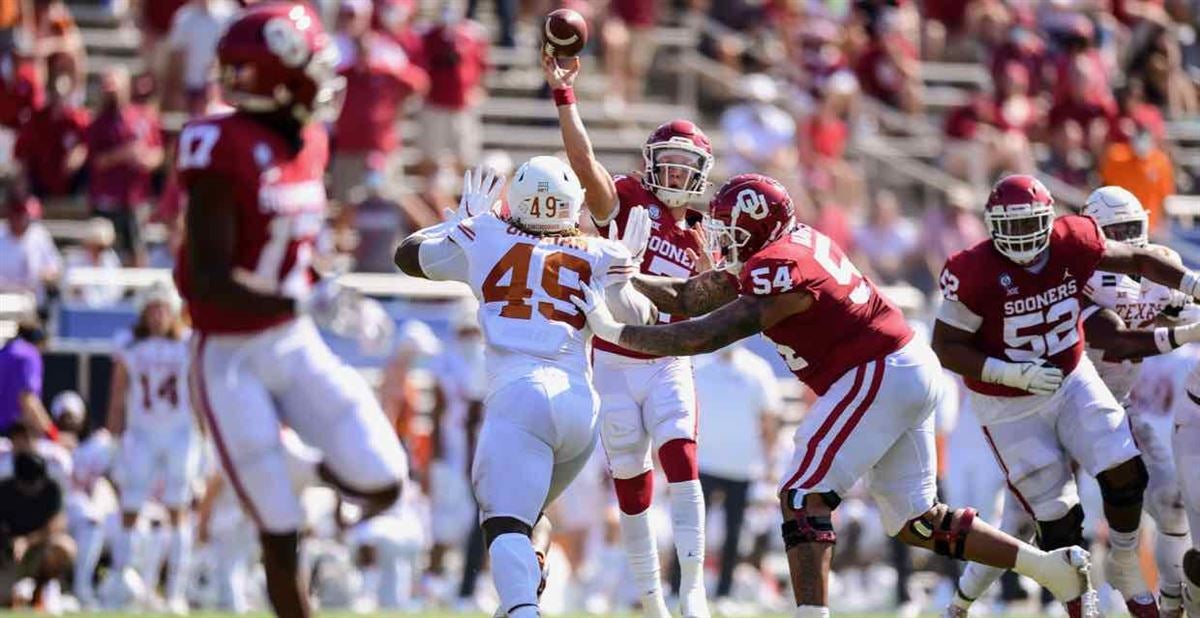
<point>256,202</point>
<point>539,424</point>
<point>648,400</point>
<point>877,389</point>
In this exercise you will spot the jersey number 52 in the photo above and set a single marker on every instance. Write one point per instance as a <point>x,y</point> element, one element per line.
<point>514,266</point>
<point>1063,332</point>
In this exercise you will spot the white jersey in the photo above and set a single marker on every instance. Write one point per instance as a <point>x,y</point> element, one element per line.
<point>524,284</point>
<point>462,379</point>
<point>1160,388</point>
<point>1138,303</point>
<point>157,394</point>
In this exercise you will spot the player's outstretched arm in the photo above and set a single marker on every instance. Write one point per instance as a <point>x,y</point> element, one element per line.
<point>737,320</point>
<point>211,234</point>
<point>957,353</point>
<point>1150,263</point>
<point>1106,331</point>
<point>692,297</point>
<point>601,191</point>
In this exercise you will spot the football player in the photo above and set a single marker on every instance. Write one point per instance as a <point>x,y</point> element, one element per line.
<point>1187,461</point>
<point>1011,325</point>
<point>1119,322</point>
<point>256,203</point>
<point>539,422</point>
<point>150,417</point>
<point>647,400</point>
<point>877,389</point>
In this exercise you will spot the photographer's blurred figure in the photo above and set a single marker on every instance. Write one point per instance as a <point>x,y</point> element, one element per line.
<point>21,381</point>
<point>34,544</point>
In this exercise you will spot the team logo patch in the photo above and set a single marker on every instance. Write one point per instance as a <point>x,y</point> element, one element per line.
<point>262,155</point>
<point>1006,282</point>
<point>654,212</point>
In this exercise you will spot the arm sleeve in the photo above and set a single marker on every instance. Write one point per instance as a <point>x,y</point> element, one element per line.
<point>957,302</point>
<point>442,259</point>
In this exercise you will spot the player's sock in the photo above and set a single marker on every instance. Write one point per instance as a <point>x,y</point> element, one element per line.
<point>1168,557</point>
<point>122,551</point>
<point>974,582</point>
<point>516,574</point>
<point>811,611</point>
<point>687,522</point>
<point>179,556</point>
<point>642,552</point>
<point>90,544</point>
<point>1123,541</point>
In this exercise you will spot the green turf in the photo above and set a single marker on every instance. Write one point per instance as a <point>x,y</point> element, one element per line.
<point>340,614</point>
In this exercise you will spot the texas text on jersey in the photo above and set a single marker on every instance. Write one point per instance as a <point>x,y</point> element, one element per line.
<point>279,198</point>
<point>1018,314</point>
<point>667,250</point>
<point>849,323</point>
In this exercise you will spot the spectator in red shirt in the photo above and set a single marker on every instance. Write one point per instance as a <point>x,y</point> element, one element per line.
<point>455,55</point>
<point>50,147</point>
<point>1024,47</point>
<point>395,18</point>
<point>1081,90</point>
<point>1133,110</point>
<point>57,41</point>
<point>21,88</point>
<point>379,77</point>
<point>628,35</point>
<point>124,145</point>
<point>889,70</point>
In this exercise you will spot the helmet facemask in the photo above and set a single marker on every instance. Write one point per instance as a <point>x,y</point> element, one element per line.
<point>677,172</point>
<point>1130,232</point>
<point>725,240</point>
<point>1021,232</point>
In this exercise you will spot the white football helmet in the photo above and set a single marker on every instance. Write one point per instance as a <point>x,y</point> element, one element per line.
<point>545,196</point>
<point>1120,214</point>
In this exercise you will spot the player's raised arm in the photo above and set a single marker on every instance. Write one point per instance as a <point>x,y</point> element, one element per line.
<point>211,235</point>
<point>691,297</point>
<point>1151,263</point>
<point>1106,331</point>
<point>600,190</point>
<point>436,252</point>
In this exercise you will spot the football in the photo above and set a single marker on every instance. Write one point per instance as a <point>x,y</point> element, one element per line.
<point>564,33</point>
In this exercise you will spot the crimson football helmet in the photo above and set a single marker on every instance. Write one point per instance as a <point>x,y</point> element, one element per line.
<point>277,56</point>
<point>748,212</point>
<point>1019,217</point>
<point>677,147</point>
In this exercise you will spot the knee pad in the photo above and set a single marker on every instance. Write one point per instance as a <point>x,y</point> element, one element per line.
<point>679,462</point>
<point>495,526</point>
<point>947,528</point>
<point>1063,532</point>
<point>1129,485</point>
<point>803,528</point>
<point>1164,503</point>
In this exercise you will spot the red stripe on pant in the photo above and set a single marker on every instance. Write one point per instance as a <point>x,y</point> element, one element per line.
<point>1011,488</point>
<point>819,474</point>
<point>815,441</point>
<point>222,451</point>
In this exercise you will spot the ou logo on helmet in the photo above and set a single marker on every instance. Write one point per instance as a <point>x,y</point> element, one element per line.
<point>752,203</point>
<point>285,40</point>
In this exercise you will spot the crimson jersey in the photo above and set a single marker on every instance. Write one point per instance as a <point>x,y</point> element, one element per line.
<point>1019,315</point>
<point>666,251</point>
<point>849,322</point>
<point>279,205</point>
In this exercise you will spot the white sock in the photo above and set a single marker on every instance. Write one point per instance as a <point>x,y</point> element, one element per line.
<point>516,574</point>
<point>642,551</point>
<point>179,558</point>
<point>90,544</point>
<point>1168,556</point>
<point>811,611</point>
<point>974,582</point>
<point>687,522</point>
<point>1123,541</point>
<point>122,550</point>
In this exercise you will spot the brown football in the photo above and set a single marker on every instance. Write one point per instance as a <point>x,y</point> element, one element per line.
<point>564,33</point>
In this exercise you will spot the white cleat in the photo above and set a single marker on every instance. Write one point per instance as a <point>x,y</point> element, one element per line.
<point>1123,571</point>
<point>1074,582</point>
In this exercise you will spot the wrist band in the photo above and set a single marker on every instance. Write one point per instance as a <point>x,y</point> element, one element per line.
<point>564,96</point>
<point>1164,339</point>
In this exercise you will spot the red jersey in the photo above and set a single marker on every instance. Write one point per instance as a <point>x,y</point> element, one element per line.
<point>849,322</point>
<point>124,186</point>
<point>21,91</point>
<point>376,87</point>
<point>456,57</point>
<point>1021,315</point>
<point>666,251</point>
<point>279,203</point>
<point>44,143</point>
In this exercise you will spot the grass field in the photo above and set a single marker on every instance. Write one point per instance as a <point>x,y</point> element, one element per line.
<point>423,615</point>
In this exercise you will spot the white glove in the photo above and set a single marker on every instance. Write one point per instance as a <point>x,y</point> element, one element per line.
<point>593,306</point>
<point>1035,377</point>
<point>637,233</point>
<point>480,191</point>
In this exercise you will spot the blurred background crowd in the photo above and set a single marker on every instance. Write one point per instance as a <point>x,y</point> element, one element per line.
<point>887,119</point>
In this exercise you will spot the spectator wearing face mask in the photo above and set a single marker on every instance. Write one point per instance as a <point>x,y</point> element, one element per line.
<point>50,146</point>
<point>1144,168</point>
<point>456,57</point>
<point>34,476</point>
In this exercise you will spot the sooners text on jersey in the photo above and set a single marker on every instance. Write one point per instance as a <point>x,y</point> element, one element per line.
<point>279,203</point>
<point>666,251</point>
<point>1024,315</point>
<point>849,322</point>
